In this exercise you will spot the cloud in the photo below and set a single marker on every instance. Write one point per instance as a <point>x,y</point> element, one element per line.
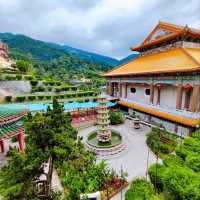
<point>107,27</point>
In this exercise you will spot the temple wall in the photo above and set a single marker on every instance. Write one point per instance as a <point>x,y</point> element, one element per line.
<point>139,95</point>
<point>168,97</point>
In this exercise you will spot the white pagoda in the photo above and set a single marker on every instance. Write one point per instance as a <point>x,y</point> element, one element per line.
<point>103,132</point>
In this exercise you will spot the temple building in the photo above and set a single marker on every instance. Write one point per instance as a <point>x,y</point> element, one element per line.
<point>162,85</point>
<point>4,51</point>
<point>4,57</point>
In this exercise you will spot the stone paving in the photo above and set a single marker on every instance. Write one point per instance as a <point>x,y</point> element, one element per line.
<point>134,158</point>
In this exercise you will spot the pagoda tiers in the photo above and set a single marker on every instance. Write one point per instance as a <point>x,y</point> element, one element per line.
<point>162,85</point>
<point>11,125</point>
<point>103,132</point>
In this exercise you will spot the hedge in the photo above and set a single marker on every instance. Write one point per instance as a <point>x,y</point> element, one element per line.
<point>19,77</point>
<point>8,98</point>
<point>140,189</point>
<point>48,97</point>
<point>28,77</point>
<point>10,78</point>
<point>41,97</point>
<point>20,98</point>
<point>34,83</point>
<point>31,98</point>
<point>52,83</point>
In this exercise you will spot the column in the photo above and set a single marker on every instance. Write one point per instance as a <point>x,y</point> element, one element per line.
<point>2,146</point>
<point>126,90</point>
<point>194,100</point>
<point>179,97</point>
<point>20,138</point>
<point>120,89</point>
<point>151,93</point>
<point>107,87</point>
<point>158,97</point>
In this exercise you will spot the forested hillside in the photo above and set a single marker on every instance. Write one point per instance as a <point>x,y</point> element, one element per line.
<point>56,61</point>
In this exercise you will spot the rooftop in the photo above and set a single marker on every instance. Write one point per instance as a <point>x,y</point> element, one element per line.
<point>170,61</point>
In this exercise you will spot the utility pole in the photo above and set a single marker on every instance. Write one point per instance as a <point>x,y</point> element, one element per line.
<point>121,181</point>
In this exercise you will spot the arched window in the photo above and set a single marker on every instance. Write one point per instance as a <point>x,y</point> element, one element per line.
<point>133,90</point>
<point>147,91</point>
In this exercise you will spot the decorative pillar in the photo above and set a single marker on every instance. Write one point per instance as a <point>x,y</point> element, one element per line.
<point>20,138</point>
<point>151,93</point>
<point>120,89</point>
<point>2,146</point>
<point>194,100</point>
<point>126,90</point>
<point>158,97</point>
<point>107,88</point>
<point>179,96</point>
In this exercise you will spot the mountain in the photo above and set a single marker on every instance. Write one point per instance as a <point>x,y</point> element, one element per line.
<point>128,58</point>
<point>36,49</point>
<point>91,56</point>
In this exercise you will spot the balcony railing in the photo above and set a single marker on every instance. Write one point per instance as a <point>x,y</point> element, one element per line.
<point>183,113</point>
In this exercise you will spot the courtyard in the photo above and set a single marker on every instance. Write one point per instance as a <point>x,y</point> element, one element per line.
<point>134,158</point>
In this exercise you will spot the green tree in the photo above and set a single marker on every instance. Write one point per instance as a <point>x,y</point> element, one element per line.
<point>23,65</point>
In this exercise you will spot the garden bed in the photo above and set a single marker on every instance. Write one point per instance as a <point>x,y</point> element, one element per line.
<point>161,142</point>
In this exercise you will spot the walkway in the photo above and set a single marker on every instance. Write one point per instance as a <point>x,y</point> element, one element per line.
<point>134,159</point>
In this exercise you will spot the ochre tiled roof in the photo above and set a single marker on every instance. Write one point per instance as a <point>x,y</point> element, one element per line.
<point>174,60</point>
<point>174,32</point>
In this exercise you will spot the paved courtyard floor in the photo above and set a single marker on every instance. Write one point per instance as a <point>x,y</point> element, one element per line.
<point>134,158</point>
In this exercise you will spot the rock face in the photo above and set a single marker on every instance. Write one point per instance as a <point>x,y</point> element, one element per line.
<point>14,88</point>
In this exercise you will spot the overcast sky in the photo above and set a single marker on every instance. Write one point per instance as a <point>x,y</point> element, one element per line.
<point>106,27</point>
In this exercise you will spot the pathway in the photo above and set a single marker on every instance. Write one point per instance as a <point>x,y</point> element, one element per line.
<point>134,159</point>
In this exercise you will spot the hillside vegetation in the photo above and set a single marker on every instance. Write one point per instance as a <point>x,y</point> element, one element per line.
<point>56,61</point>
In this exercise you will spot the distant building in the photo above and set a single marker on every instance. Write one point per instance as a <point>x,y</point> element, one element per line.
<point>4,51</point>
<point>162,85</point>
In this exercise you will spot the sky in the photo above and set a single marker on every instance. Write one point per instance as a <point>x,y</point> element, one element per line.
<point>107,27</point>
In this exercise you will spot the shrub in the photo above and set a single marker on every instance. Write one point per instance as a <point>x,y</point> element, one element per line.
<point>19,77</point>
<point>20,98</point>
<point>41,89</point>
<point>41,97</point>
<point>8,98</point>
<point>10,78</point>
<point>181,183</point>
<point>58,83</point>
<point>193,161</point>
<point>14,139</point>
<point>116,118</point>
<point>28,77</point>
<point>156,174</point>
<point>22,65</point>
<point>172,160</point>
<point>49,89</point>
<point>165,148</point>
<point>58,90</point>
<point>61,96</point>
<point>140,189</point>
<point>48,97</point>
<point>31,98</point>
<point>34,83</point>
<point>155,140</point>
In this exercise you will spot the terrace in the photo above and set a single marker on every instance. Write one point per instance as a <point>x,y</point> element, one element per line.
<point>186,117</point>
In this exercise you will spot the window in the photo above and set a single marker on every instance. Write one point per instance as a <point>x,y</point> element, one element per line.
<point>133,90</point>
<point>147,92</point>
